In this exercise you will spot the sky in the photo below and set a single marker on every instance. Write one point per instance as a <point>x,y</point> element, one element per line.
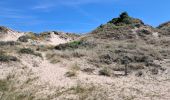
<point>78,16</point>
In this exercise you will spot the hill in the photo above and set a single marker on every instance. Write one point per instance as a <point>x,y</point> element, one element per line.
<point>7,34</point>
<point>124,59</point>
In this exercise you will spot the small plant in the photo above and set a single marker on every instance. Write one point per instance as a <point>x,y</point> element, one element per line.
<point>105,71</point>
<point>75,67</point>
<point>106,58</point>
<point>71,74</point>
<point>55,60</point>
<point>78,89</point>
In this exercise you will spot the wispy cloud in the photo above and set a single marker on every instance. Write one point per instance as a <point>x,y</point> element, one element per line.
<point>47,4</point>
<point>13,13</point>
<point>43,6</point>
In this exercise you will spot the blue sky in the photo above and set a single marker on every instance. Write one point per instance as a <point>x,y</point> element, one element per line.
<point>79,16</point>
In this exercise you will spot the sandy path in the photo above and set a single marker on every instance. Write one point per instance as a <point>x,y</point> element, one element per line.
<point>54,74</point>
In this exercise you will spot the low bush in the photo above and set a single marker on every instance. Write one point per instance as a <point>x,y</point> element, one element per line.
<point>26,51</point>
<point>105,72</point>
<point>107,59</point>
<point>71,45</point>
<point>10,43</point>
<point>74,45</point>
<point>7,58</point>
<point>23,38</point>
<point>29,51</point>
<point>123,19</point>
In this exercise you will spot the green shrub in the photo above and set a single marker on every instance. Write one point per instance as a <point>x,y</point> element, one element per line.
<point>23,38</point>
<point>7,58</point>
<point>71,45</point>
<point>74,45</point>
<point>125,19</point>
<point>106,58</point>
<point>10,43</point>
<point>26,51</point>
<point>29,51</point>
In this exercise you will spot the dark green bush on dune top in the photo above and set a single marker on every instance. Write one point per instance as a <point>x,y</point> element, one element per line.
<point>125,19</point>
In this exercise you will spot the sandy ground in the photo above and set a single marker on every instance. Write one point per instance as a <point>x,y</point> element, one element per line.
<point>147,87</point>
<point>55,40</point>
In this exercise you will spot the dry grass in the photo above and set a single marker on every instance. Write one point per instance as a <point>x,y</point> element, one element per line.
<point>105,71</point>
<point>53,58</point>
<point>73,70</point>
